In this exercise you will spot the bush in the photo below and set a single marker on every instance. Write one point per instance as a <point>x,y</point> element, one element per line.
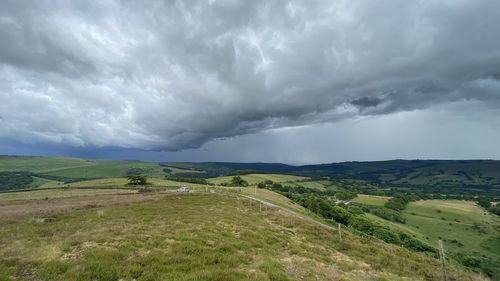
<point>387,235</point>
<point>471,261</point>
<point>397,203</point>
<point>389,214</point>
<point>382,232</point>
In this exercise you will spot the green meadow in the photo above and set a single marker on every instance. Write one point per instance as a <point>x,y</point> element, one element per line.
<point>256,178</point>
<point>371,200</point>
<point>464,226</point>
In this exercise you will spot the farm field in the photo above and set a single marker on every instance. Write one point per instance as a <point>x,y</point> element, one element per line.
<point>42,164</point>
<point>256,178</point>
<point>122,183</point>
<point>109,169</point>
<point>309,184</point>
<point>469,233</point>
<point>462,225</point>
<point>197,237</point>
<point>371,200</point>
<point>466,229</point>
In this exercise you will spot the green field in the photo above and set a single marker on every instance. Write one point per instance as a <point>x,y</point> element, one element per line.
<point>76,167</point>
<point>198,237</point>
<point>54,171</point>
<point>371,200</point>
<point>109,169</point>
<point>256,178</point>
<point>462,222</point>
<point>310,184</point>
<point>122,182</point>
<point>42,164</point>
<point>466,229</point>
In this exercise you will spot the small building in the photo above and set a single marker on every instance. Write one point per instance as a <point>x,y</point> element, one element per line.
<point>183,189</point>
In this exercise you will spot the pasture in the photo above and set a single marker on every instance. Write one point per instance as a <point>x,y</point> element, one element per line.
<point>253,179</point>
<point>371,200</point>
<point>463,222</point>
<point>197,237</point>
<point>42,164</point>
<point>109,169</point>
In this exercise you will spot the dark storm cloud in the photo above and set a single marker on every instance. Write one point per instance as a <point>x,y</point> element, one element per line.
<point>172,75</point>
<point>365,102</point>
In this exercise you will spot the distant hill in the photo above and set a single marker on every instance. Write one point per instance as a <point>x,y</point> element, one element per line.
<point>484,174</point>
<point>18,172</point>
<point>445,173</point>
<point>415,172</point>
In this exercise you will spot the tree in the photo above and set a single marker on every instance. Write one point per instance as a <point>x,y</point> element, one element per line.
<point>238,181</point>
<point>137,180</point>
<point>483,202</point>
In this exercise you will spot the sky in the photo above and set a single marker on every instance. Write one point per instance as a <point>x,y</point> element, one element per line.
<point>297,82</point>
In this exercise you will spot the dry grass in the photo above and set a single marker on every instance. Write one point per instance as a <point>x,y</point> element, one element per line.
<point>197,237</point>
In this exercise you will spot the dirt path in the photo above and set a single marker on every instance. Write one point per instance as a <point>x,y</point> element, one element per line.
<point>57,205</point>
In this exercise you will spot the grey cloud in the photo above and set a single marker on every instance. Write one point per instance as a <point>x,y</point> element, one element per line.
<point>172,75</point>
<point>365,102</point>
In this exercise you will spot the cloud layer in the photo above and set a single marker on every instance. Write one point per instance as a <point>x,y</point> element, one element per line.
<point>172,75</point>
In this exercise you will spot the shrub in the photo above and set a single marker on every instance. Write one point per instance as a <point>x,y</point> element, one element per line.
<point>396,203</point>
<point>389,214</point>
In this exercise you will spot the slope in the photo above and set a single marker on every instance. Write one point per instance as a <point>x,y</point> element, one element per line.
<point>200,236</point>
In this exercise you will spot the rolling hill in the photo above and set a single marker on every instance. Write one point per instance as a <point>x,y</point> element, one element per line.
<point>201,236</point>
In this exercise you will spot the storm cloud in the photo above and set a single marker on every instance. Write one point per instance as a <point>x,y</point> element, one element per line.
<point>174,75</point>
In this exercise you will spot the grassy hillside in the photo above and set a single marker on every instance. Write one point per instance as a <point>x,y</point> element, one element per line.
<point>198,237</point>
<point>466,228</point>
<point>48,194</point>
<point>469,233</point>
<point>458,173</point>
<point>42,164</point>
<point>256,178</point>
<point>122,182</point>
<point>109,169</point>
<point>54,171</point>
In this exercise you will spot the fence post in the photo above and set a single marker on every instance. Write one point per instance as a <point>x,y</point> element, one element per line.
<point>443,261</point>
<point>340,233</point>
